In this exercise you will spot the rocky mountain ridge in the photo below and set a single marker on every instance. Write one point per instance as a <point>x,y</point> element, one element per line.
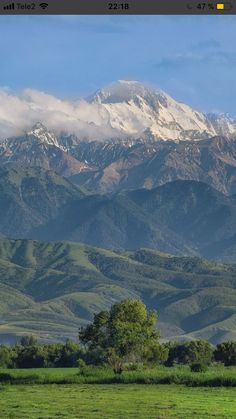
<point>181,217</point>
<point>110,166</point>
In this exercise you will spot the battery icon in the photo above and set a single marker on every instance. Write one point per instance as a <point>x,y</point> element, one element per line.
<point>224,6</point>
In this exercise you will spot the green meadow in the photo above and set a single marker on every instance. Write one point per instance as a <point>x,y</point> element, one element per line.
<point>116,401</point>
<point>215,376</point>
<point>97,392</point>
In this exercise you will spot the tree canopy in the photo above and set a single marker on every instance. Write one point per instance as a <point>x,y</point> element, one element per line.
<point>226,352</point>
<point>126,333</point>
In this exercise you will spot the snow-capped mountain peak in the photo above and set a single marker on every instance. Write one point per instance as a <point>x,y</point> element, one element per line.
<point>122,91</point>
<point>135,108</point>
<point>42,134</point>
<point>124,109</point>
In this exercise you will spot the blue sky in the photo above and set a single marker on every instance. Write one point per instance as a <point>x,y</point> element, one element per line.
<point>193,58</point>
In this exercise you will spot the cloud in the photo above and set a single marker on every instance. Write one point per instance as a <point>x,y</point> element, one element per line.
<point>19,113</point>
<point>220,58</point>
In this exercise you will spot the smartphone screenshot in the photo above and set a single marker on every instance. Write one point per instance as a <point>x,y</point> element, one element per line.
<point>117,209</point>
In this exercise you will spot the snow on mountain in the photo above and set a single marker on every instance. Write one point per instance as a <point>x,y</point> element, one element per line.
<point>124,110</point>
<point>41,133</point>
<point>133,108</point>
<point>39,147</point>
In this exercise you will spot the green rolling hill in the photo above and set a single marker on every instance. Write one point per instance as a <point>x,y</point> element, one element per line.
<point>50,289</point>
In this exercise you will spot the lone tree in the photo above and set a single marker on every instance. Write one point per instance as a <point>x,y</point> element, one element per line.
<point>127,333</point>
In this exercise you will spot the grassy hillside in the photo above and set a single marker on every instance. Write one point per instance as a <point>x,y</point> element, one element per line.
<point>50,289</point>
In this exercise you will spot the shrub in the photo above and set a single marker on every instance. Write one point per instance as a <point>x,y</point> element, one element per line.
<point>31,357</point>
<point>198,351</point>
<point>5,378</point>
<point>226,352</point>
<point>82,367</point>
<point>6,357</point>
<point>135,367</point>
<point>198,367</point>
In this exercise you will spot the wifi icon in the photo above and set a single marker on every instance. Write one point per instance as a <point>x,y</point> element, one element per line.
<point>44,5</point>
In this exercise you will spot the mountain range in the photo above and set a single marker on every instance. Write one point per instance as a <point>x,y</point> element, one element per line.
<point>114,167</point>
<point>111,166</point>
<point>173,142</point>
<point>75,209</point>
<point>123,109</point>
<point>180,217</point>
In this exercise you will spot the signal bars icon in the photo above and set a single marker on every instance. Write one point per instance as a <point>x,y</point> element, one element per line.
<point>9,7</point>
